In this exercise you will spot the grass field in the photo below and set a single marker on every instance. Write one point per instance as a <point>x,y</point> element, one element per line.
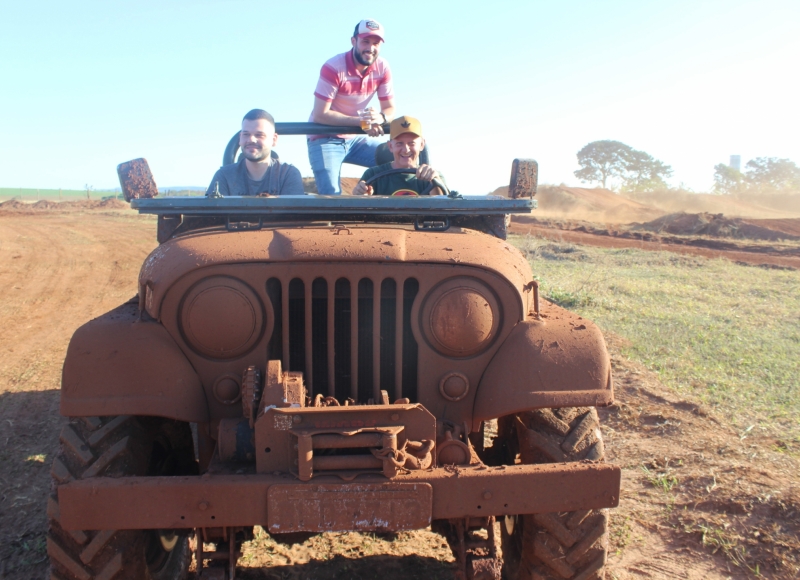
<point>728,334</point>
<point>28,194</point>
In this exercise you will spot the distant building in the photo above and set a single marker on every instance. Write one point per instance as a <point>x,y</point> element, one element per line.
<point>736,162</point>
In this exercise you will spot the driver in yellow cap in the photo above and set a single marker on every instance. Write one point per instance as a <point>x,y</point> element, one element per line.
<point>406,143</point>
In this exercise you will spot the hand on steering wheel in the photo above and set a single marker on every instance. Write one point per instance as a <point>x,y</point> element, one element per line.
<point>436,182</point>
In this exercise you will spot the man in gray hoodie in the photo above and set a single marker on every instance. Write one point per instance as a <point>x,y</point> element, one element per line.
<point>256,172</point>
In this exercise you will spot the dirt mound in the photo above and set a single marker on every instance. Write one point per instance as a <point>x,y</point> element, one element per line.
<point>787,226</point>
<point>45,204</point>
<point>13,204</point>
<point>17,206</point>
<point>753,206</point>
<point>560,201</point>
<point>112,203</point>
<point>718,226</point>
<point>347,184</point>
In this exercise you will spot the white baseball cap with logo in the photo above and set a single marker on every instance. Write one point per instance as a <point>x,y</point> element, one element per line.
<point>370,27</point>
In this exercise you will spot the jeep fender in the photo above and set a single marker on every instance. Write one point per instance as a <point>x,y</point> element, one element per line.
<point>557,361</point>
<point>119,364</point>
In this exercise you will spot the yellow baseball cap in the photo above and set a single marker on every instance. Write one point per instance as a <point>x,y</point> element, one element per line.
<point>405,124</point>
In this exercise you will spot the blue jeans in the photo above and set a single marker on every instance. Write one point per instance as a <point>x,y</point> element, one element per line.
<point>327,154</point>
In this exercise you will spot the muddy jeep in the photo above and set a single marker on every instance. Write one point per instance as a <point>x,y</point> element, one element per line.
<point>317,364</point>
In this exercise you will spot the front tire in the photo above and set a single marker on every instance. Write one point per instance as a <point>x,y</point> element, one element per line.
<point>557,546</point>
<point>117,447</point>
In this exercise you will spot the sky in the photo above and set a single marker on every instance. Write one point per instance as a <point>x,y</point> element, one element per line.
<point>86,85</point>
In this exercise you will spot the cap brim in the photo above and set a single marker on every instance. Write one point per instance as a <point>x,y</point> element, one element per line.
<point>365,34</point>
<point>405,132</point>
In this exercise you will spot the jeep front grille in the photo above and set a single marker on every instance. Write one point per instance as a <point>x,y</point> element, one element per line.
<point>351,338</point>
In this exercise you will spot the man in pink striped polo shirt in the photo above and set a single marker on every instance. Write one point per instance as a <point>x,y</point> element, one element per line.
<point>347,83</point>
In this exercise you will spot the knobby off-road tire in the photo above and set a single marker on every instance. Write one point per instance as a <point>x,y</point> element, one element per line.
<point>563,546</point>
<point>116,447</point>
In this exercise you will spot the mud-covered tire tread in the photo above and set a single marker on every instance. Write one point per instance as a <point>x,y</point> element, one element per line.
<point>109,447</point>
<point>558,546</point>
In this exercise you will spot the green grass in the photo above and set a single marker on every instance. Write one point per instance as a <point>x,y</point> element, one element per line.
<point>28,194</point>
<point>663,481</point>
<point>728,334</point>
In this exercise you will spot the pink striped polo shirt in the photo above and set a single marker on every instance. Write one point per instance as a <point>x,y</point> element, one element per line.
<point>347,90</point>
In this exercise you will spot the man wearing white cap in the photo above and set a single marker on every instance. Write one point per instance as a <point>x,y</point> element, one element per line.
<point>347,83</point>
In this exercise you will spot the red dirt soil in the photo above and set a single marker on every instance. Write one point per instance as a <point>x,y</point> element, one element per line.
<point>719,226</point>
<point>346,183</point>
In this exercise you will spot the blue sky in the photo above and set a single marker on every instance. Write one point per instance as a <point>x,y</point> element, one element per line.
<point>85,85</point>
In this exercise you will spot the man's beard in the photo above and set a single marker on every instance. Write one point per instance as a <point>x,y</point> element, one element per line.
<point>255,155</point>
<point>360,59</point>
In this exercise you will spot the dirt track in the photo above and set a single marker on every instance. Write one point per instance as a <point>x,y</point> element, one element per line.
<point>59,270</point>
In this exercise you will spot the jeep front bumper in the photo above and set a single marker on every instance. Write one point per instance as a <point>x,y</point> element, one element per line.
<point>281,503</point>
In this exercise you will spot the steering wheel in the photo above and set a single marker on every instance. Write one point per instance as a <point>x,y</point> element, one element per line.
<point>434,182</point>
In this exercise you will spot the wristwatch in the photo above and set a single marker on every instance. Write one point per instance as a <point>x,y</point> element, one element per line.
<point>384,117</point>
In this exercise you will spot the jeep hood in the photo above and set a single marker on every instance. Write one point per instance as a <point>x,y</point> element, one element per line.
<point>353,243</point>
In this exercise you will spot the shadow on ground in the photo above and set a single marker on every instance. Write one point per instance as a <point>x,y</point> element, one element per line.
<point>381,567</point>
<point>29,428</point>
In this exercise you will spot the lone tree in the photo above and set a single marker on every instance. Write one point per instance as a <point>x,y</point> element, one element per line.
<point>637,170</point>
<point>600,160</point>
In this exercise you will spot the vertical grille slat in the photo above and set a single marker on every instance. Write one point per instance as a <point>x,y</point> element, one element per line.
<point>365,340</point>
<point>388,337</point>
<point>320,290</point>
<point>398,339</point>
<point>376,340</point>
<point>342,351</point>
<point>409,362</point>
<point>296,325</point>
<point>285,326</point>
<point>354,339</point>
<point>331,338</point>
<point>275,350</point>
<point>308,371</point>
<point>350,337</point>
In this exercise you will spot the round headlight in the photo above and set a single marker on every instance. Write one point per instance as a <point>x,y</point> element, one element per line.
<point>221,317</point>
<point>460,317</point>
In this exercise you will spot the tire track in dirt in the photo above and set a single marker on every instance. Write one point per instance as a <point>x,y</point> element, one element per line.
<point>63,268</point>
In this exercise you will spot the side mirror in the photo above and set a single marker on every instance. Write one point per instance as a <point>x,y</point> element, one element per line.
<point>524,178</point>
<point>136,180</point>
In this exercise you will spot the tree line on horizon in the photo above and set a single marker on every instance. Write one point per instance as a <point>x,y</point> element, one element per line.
<point>608,161</point>
<point>760,175</point>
